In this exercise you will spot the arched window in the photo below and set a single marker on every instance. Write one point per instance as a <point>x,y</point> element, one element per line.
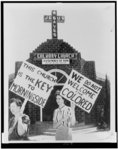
<point>60,74</point>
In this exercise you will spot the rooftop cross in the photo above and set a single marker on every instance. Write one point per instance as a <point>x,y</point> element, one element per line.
<point>54,19</point>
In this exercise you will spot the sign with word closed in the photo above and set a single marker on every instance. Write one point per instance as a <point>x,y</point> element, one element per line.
<point>33,83</point>
<point>81,90</point>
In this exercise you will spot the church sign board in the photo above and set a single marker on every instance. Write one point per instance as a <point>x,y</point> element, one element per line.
<point>81,90</point>
<point>55,61</point>
<point>33,83</point>
<point>54,58</point>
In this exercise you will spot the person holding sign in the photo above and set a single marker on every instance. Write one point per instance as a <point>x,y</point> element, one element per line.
<point>19,123</point>
<point>63,118</point>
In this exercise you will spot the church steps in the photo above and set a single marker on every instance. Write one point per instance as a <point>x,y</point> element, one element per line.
<point>46,128</point>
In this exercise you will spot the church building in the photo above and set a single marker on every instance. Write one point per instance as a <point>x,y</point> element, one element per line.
<point>59,57</point>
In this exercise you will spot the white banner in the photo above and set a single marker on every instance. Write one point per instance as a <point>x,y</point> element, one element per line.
<point>33,83</point>
<point>81,90</point>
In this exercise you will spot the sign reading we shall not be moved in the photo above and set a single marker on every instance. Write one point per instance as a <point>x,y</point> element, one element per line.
<point>81,90</point>
<point>33,84</point>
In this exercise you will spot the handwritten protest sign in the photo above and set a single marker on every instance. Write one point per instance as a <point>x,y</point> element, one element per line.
<point>33,83</point>
<point>81,90</point>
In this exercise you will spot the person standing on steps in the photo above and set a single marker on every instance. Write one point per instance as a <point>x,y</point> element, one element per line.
<point>63,119</point>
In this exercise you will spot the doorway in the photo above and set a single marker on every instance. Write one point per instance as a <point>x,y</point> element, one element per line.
<point>51,104</point>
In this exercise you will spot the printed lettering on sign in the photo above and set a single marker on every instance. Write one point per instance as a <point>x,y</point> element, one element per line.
<point>81,90</point>
<point>33,83</point>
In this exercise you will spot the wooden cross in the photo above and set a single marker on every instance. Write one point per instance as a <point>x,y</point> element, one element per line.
<point>54,19</point>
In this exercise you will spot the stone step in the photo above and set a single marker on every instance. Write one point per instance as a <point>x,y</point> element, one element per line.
<point>74,128</point>
<point>87,129</point>
<point>78,126</point>
<point>40,128</point>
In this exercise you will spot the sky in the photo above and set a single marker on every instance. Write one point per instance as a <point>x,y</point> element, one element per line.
<point>88,27</point>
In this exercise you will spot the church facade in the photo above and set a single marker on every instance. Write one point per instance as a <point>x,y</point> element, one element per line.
<point>59,58</point>
<point>60,49</point>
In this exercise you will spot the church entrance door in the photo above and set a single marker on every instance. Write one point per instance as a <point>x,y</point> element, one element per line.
<point>51,104</point>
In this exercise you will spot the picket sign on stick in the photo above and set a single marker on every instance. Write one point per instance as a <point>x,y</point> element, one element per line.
<point>81,91</point>
<point>23,106</point>
<point>33,83</point>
